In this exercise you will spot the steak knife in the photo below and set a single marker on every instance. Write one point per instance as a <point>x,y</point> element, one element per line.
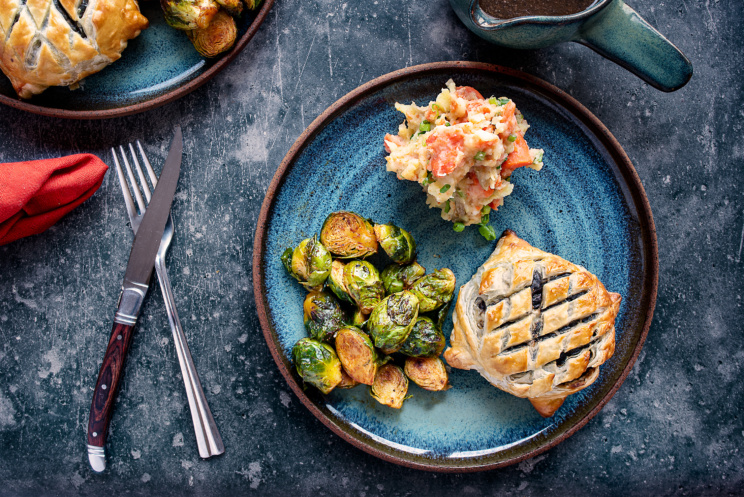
<point>133,291</point>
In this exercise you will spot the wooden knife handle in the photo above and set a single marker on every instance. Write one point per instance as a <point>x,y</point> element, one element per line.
<point>108,381</point>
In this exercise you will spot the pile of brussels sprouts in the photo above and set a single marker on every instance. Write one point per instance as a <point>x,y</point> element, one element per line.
<point>357,317</point>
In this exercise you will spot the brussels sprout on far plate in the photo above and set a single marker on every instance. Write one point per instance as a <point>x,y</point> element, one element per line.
<point>435,289</point>
<point>427,372</point>
<point>347,235</point>
<point>397,278</point>
<point>218,37</point>
<point>425,339</point>
<point>317,364</point>
<point>323,315</point>
<point>309,263</point>
<point>363,283</point>
<point>189,14</point>
<point>397,243</point>
<point>390,386</point>
<point>392,320</point>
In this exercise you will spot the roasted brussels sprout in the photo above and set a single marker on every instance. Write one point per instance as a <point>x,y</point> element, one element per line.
<point>232,7</point>
<point>357,354</point>
<point>346,380</point>
<point>317,364</point>
<point>309,263</point>
<point>189,14</point>
<point>397,278</point>
<point>425,339</point>
<point>397,243</point>
<point>216,38</point>
<point>363,283</point>
<point>390,386</point>
<point>347,235</point>
<point>427,372</point>
<point>335,282</point>
<point>392,320</point>
<point>323,315</point>
<point>435,289</point>
<point>252,4</point>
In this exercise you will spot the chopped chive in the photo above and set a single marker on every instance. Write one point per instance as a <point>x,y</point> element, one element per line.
<point>512,138</point>
<point>428,179</point>
<point>446,207</point>
<point>503,101</point>
<point>425,126</point>
<point>458,226</point>
<point>444,188</point>
<point>486,209</point>
<point>485,218</point>
<point>487,232</point>
<point>460,194</point>
<point>492,101</point>
<point>480,155</point>
<point>447,123</point>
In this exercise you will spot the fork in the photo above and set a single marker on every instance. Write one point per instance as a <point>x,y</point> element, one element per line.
<point>208,437</point>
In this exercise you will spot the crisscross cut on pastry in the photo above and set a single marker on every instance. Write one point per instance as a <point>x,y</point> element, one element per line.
<point>47,43</point>
<point>533,324</point>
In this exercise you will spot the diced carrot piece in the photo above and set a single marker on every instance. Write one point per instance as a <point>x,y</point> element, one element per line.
<point>519,157</point>
<point>509,110</point>
<point>475,190</point>
<point>468,93</point>
<point>445,146</point>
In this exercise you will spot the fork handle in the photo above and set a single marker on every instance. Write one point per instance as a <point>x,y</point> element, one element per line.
<point>105,392</point>
<point>208,439</point>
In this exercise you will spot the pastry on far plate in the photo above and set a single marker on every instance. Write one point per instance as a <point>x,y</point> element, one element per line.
<point>533,324</point>
<point>47,43</point>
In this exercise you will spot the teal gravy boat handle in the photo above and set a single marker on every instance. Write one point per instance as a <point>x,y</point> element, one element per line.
<point>620,34</point>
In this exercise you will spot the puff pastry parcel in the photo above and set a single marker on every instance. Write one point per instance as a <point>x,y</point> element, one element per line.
<point>533,324</point>
<point>47,43</point>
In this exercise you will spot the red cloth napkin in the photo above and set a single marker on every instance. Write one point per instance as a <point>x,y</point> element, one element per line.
<point>36,194</point>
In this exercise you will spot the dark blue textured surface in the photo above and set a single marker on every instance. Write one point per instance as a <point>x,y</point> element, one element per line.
<point>573,207</point>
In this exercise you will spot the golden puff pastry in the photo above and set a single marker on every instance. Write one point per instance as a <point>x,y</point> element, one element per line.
<point>533,324</point>
<point>47,43</point>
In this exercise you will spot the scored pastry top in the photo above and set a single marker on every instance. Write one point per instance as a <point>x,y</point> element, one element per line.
<point>532,323</point>
<point>59,42</point>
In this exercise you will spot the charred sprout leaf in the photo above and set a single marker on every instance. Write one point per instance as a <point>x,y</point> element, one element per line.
<point>441,314</point>
<point>357,354</point>
<point>363,283</point>
<point>323,315</point>
<point>435,289</point>
<point>335,282</point>
<point>390,386</point>
<point>347,235</point>
<point>216,38</point>
<point>397,278</point>
<point>287,260</point>
<point>189,14</point>
<point>427,372</point>
<point>392,320</point>
<point>397,243</point>
<point>310,263</point>
<point>359,319</point>
<point>317,364</point>
<point>425,339</point>
<point>252,4</point>
<point>346,380</point>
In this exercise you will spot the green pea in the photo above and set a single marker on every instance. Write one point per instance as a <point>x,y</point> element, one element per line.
<point>458,226</point>
<point>425,126</point>
<point>480,155</point>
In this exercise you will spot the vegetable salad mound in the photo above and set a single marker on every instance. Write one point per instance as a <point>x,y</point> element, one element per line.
<point>462,149</point>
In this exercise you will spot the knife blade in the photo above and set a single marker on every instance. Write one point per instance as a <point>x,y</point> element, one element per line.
<point>134,289</point>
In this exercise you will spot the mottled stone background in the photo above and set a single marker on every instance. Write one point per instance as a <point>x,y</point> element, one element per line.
<point>674,428</point>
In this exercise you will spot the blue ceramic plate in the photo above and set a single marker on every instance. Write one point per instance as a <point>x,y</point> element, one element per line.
<point>587,205</point>
<point>157,67</point>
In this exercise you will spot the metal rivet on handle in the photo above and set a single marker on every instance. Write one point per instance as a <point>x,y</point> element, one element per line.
<point>103,386</point>
<point>95,433</point>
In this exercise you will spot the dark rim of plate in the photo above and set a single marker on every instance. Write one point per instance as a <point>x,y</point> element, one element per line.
<point>650,249</point>
<point>158,101</point>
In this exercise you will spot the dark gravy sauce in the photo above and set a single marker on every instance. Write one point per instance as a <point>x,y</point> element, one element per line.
<point>509,9</point>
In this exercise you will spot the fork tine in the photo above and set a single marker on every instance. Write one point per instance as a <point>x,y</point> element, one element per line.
<point>137,194</point>
<point>141,176</point>
<point>150,172</point>
<point>124,188</point>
